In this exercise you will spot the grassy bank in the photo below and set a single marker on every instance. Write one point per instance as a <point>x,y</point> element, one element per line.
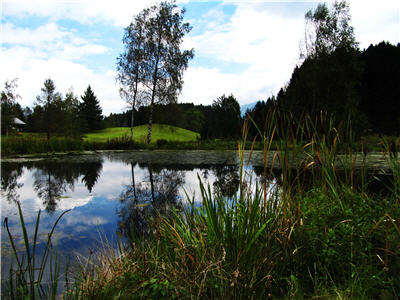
<point>163,137</point>
<point>118,138</point>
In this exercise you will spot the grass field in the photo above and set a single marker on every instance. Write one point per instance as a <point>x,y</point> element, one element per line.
<point>159,131</point>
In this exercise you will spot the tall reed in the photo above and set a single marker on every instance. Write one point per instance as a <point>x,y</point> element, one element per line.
<point>27,279</point>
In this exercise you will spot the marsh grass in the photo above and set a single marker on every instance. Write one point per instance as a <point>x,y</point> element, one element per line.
<point>38,144</point>
<point>32,277</point>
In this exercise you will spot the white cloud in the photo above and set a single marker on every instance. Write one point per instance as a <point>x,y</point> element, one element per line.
<point>32,70</point>
<point>67,203</point>
<point>267,43</point>
<point>117,12</point>
<point>50,40</point>
<point>24,36</point>
<point>376,21</point>
<point>50,51</point>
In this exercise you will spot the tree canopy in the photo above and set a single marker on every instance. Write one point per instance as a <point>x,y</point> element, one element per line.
<point>49,111</point>
<point>152,60</point>
<point>329,78</point>
<point>9,105</point>
<point>328,29</point>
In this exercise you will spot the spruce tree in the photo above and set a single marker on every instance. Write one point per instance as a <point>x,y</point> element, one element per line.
<point>90,111</point>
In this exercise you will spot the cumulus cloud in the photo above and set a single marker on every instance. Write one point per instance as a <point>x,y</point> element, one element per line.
<point>50,51</point>
<point>117,12</point>
<point>266,43</point>
<point>375,21</point>
<point>49,40</point>
<point>89,11</point>
<point>265,36</point>
<point>32,69</point>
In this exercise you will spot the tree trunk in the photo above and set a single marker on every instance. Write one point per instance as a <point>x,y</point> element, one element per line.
<point>151,184</point>
<point>150,123</point>
<point>153,92</point>
<point>133,183</point>
<point>132,119</point>
<point>134,102</point>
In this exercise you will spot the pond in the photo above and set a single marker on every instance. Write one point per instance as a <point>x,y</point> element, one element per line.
<point>107,193</point>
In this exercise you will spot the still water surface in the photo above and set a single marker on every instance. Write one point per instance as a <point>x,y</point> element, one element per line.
<point>106,193</point>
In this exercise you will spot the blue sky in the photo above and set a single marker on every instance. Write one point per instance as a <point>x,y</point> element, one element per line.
<point>247,48</point>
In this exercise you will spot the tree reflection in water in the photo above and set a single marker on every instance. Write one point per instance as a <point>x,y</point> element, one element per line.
<point>49,188</point>
<point>51,180</point>
<point>91,172</point>
<point>10,172</point>
<point>141,203</point>
<point>227,180</point>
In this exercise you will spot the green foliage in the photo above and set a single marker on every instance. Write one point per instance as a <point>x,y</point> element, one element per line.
<point>31,144</point>
<point>227,117</point>
<point>54,114</point>
<point>328,30</point>
<point>161,143</point>
<point>194,120</point>
<point>152,57</point>
<point>9,106</point>
<point>330,76</point>
<point>90,112</point>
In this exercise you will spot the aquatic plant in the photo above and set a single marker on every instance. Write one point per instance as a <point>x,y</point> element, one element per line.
<point>28,278</point>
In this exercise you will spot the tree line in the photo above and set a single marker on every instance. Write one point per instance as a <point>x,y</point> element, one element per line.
<point>339,80</point>
<point>318,84</point>
<point>220,120</point>
<point>52,113</point>
<point>334,78</point>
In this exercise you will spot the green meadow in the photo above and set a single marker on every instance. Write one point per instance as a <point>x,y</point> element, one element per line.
<point>159,132</point>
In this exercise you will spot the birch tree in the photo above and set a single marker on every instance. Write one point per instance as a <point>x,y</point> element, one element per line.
<point>130,64</point>
<point>155,62</point>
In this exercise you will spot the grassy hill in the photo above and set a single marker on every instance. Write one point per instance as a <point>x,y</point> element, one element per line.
<point>159,131</point>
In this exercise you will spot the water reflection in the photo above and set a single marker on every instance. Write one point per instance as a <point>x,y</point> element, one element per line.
<point>51,179</point>
<point>115,192</point>
<point>91,172</point>
<point>10,173</point>
<point>227,180</point>
<point>49,187</point>
<point>141,203</point>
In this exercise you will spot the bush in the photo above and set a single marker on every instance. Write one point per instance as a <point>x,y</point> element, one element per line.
<point>161,143</point>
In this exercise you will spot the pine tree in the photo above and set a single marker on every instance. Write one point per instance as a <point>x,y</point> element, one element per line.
<point>50,102</point>
<point>90,111</point>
